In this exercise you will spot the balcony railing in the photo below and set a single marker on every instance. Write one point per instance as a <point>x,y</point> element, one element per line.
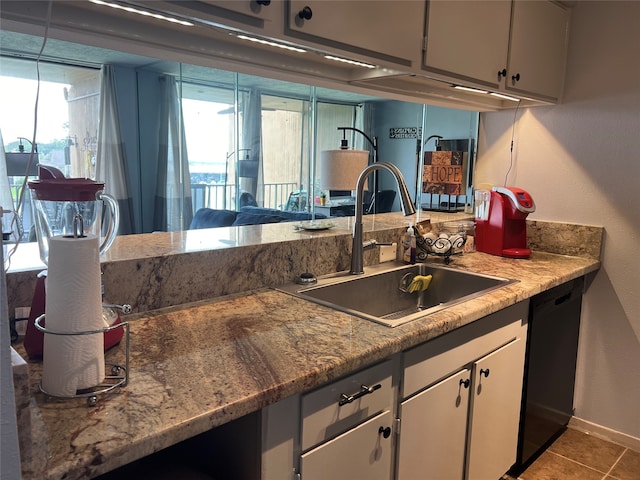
<point>220,196</point>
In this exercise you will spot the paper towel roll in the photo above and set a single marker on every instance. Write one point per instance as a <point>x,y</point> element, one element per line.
<point>74,304</point>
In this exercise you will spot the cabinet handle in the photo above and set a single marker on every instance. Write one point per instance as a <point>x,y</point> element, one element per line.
<point>515,78</point>
<point>562,299</point>
<point>266,3</point>
<point>484,372</point>
<point>502,73</point>
<point>306,13</point>
<point>465,382</point>
<point>364,390</point>
<point>386,432</point>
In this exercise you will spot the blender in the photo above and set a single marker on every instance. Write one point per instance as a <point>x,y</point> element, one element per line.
<point>59,204</point>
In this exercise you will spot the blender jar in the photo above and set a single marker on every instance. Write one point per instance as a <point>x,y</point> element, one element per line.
<point>61,202</point>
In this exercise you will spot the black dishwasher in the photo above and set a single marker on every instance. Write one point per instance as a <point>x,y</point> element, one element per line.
<point>550,365</point>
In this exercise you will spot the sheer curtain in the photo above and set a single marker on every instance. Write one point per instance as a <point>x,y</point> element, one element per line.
<point>173,209</point>
<point>252,140</point>
<point>111,160</point>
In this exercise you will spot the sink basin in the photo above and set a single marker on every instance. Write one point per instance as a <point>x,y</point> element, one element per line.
<point>376,295</point>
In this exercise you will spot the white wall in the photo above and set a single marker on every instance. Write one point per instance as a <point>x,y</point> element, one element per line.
<point>580,161</point>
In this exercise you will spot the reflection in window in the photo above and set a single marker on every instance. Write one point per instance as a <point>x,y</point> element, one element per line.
<point>218,172</point>
<point>67,121</point>
<point>290,115</point>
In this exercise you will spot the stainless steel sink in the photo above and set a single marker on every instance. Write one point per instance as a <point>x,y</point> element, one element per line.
<point>376,295</point>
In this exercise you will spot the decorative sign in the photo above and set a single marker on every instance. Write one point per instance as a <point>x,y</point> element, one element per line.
<point>405,132</point>
<point>444,173</point>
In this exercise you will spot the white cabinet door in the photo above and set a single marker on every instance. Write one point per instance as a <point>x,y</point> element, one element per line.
<point>255,16</point>
<point>495,412</point>
<point>468,39</point>
<point>433,430</point>
<point>537,55</point>
<point>386,30</point>
<point>362,452</point>
<point>263,9</point>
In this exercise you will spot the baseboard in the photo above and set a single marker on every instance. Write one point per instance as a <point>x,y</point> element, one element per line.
<point>605,433</point>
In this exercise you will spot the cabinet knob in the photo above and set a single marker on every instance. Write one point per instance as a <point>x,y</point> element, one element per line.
<point>502,73</point>
<point>515,78</point>
<point>484,372</point>
<point>265,3</point>
<point>306,13</point>
<point>465,382</point>
<point>386,432</point>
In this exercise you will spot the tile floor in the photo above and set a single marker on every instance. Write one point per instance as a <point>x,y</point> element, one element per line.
<point>579,456</point>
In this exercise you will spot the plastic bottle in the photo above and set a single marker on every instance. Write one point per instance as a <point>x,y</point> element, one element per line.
<point>409,246</point>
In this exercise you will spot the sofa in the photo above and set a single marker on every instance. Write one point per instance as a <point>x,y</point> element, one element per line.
<point>247,215</point>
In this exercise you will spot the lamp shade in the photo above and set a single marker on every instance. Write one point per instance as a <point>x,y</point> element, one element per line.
<point>340,169</point>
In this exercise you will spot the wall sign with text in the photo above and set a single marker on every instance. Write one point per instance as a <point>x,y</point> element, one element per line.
<point>405,132</point>
<point>444,173</point>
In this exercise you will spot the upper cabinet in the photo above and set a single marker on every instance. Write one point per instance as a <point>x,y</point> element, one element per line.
<point>468,39</point>
<point>389,31</point>
<point>260,9</point>
<point>517,47</point>
<point>419,48</point>
<point>260,17</point>
<point>538,49</point>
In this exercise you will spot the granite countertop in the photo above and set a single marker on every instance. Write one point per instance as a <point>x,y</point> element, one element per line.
<point>202,364</point>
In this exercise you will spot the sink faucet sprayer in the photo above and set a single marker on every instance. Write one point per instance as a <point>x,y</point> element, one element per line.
<point>405,201</point>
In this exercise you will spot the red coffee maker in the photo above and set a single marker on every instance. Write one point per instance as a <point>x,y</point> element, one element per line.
<point>501,229</point>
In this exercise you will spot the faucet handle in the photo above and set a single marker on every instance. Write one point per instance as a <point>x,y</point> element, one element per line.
<point>369,243</point>
<point>373,243</point>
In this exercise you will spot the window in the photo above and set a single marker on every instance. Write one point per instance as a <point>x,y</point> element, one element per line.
<point>67,121</point>
<point>217,170</point>
<point>296,122</point>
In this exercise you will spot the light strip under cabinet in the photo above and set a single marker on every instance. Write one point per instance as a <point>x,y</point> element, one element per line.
<point>145,13</point>
<point>469,89</point>
<point>506,97</point>
<point>485,92</point>
<point>270,43</point>
<point>350,62</point>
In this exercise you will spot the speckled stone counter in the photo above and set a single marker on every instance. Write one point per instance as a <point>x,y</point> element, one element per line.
<point>211,342</point>
<point>164,269</point>
<point>200,365</point>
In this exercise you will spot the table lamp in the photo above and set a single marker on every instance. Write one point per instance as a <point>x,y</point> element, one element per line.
<point>340,169</point>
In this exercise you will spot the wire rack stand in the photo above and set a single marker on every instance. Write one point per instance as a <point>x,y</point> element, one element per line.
<point>439,247</point>
<point>119,373</point>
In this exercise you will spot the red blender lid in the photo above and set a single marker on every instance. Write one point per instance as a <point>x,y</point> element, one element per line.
<point>66,189</point>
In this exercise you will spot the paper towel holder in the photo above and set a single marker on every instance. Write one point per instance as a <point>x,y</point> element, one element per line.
<point>119,373</point>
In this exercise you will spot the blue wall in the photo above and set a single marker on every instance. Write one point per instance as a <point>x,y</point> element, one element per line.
<point>447,122</point>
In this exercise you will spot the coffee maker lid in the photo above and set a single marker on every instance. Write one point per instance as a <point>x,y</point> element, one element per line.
<point>520,198</point>
<point>66,189</point>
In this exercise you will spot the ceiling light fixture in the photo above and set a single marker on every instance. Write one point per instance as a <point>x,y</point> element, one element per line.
<point>271,44</point>
<point>350,62</point>
<point>145,13</point>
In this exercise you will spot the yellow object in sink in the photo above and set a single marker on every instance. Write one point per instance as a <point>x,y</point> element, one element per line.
<point>419,283</point>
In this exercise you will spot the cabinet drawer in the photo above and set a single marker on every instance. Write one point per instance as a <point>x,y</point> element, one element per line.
<point>436,359</point>
<point>363,452</point>
<point>322,415</point>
